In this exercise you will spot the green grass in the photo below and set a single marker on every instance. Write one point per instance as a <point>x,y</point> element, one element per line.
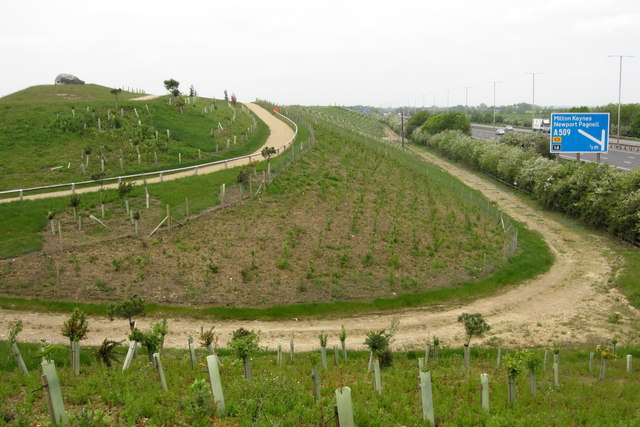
<point>38,132</point>
<point>627,279</point>
<point>282,395</point>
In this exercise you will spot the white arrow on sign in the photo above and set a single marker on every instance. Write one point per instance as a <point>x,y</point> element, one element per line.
<point>600,142</point>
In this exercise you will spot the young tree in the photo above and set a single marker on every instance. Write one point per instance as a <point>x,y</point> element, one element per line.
<point>127,309</point>
<point>74,202</point>
<point>192,92</point>
<point>149,340</point>
<point>160,328</point>
<point>234,100</point>
<point>209,339</point>
<point>172,87</point>
<point>104,353</point>
<point>76,327</point>
<point>116,92</point>
<point>226,96</point>
<point>124,188</point>
<point>267,153</point>
<point>474,324</point>
<point>244,344</point>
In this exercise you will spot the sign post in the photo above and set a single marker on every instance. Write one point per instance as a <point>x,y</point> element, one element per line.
<point>579,133</point>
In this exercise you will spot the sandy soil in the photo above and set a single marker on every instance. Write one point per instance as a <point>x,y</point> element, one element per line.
<point>568,304</point>
<point>280,134</point>
<point>145,98</point>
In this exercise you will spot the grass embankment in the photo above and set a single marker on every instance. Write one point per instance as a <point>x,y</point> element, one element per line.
<point>47,127</point>
<point>283,395</point>
<point>351,182</point>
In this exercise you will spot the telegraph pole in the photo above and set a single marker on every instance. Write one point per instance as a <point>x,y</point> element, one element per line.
<point>466,98</point>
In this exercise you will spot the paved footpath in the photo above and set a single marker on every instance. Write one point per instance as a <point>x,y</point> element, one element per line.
<point>279,134</point>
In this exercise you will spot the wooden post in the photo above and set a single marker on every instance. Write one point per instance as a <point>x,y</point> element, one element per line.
<point>279,354</point>
<point>499,363</point>
<point>376,376</point>
<point>345,408</point>
<point>591,356</point>
<point>315,377</point>
<point>336,355</point>
<point>16,352</point>
<point>291,350</point>
<point>168,217</point>
<point>216,383</point>
<point>426,397</point>
<point>158,363</point>
<point>60,234</point>
<point>186,203</point>
<point>54,393</point>
<point>192,353</point>
<point>484,384</point>
<point>129,357</point>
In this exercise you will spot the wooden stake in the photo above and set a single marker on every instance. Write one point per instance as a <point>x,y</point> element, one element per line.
<point>192,353</point>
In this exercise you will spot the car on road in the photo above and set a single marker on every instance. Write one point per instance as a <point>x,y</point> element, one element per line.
<point>500,131</point>
<point>508,128</point>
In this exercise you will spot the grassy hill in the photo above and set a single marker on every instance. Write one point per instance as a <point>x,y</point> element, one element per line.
<point>47,131</point>
<point>353,219</point>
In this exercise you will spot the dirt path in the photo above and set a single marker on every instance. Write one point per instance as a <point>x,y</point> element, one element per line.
<point>570,303</point>
<point>280,134</point>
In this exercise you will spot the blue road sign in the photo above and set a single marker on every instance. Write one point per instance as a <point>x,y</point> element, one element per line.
<point>579,133</point>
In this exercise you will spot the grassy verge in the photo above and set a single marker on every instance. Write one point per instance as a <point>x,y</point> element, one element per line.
<point>283,395</point>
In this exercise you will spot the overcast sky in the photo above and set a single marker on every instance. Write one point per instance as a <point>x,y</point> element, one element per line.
<point>332,52</point>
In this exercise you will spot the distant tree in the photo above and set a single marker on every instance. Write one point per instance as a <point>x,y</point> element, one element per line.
<point>192,92</point>
<point>172,87</point>
<point>226,95</point>
<point>583,109</point>
<point>234,100</point>
<point>416,121</point>
<point>449,121</point>
<point>116,92</point>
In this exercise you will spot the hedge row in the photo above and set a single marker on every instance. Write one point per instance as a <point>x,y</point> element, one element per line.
<point>597,194</point>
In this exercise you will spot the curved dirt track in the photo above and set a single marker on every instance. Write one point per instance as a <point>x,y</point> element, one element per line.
<point>570,303</point>
<point>279,135</point>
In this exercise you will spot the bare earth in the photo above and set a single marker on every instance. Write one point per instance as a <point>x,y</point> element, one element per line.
<point>568,304</point>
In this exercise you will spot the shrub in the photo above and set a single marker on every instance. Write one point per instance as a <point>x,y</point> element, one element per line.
<point>76,327</point>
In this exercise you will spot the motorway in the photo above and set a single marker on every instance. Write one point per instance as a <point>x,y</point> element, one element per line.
<point>624,160</point>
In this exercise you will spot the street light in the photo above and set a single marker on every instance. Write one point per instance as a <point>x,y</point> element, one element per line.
<point>494,104</point>
<point>448,90</point>
<point>466,98</point>
<point>533,98</point>
<point>620,87</point>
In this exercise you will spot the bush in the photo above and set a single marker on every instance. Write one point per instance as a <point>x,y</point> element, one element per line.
<point>449,121</point>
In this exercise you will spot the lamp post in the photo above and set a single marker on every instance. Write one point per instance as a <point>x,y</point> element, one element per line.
<point>620,87</point>
<point>494,104</point>
<point>466,99</point>
<point>448,91</point>
<point>533,98</point>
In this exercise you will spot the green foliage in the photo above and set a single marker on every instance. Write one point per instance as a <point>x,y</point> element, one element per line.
<point>532,360</point>
<point>124,189</point>
<point>379,343</point>
<point>15,328</point>
<point>416,121</point>
<point>77,326</point>
<point>208,337</point>
<point>515,362</point>
<point>343,334</point>
<point>200,403</point>
<point>474,325</point>
<point>244,343</point>
<point>449,121</point>
<point>323,339</point>
<point>105,353</point>
<point>150,340</point>
<point>74,201</point>
<point>160,329</point>
<point>127,309</point>
<point>171,85</point>
<point>46,349</point>
<point>267,152</point>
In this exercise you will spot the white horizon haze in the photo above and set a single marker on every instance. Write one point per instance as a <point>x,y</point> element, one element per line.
<point>317,53</point>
